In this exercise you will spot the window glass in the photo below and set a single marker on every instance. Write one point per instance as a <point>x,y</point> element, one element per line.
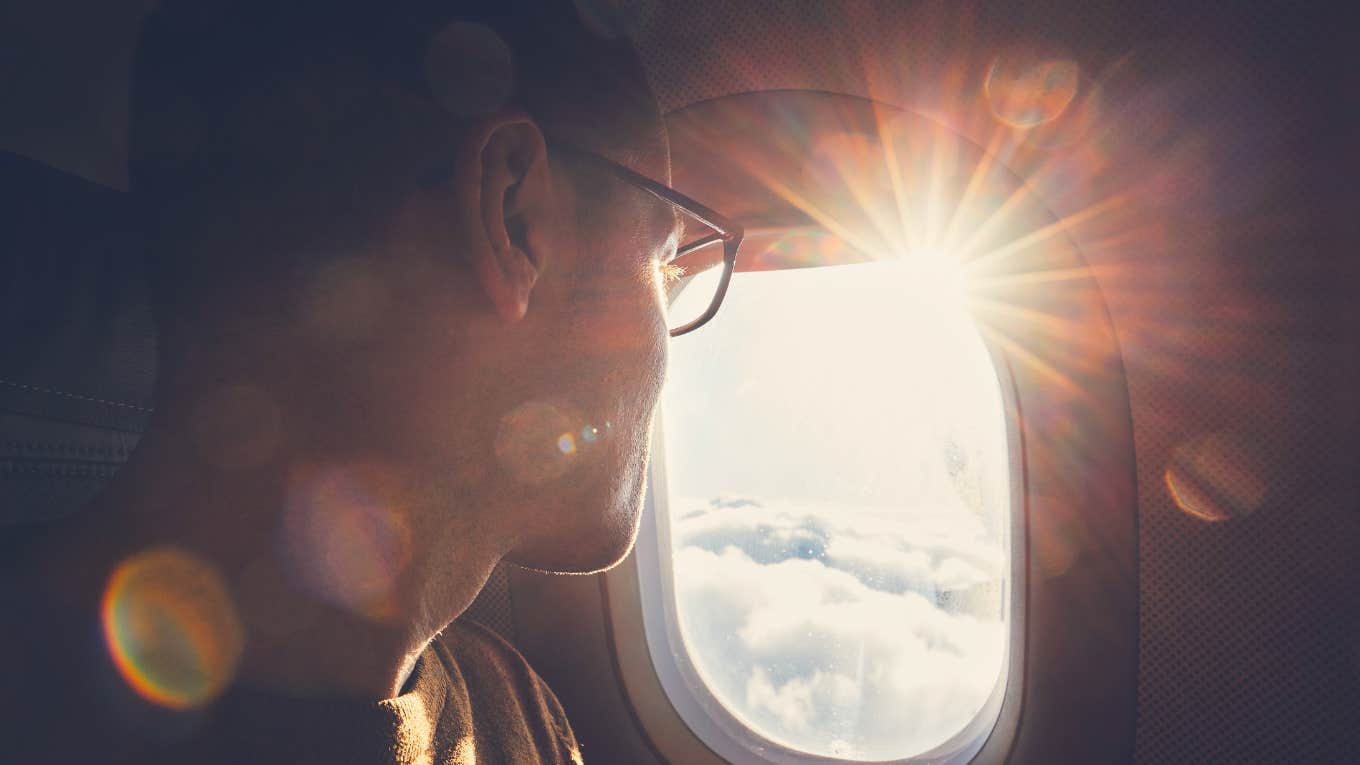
<point>836,488</point>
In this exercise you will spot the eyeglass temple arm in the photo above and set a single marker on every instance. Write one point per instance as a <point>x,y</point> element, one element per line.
<point>728,228</point>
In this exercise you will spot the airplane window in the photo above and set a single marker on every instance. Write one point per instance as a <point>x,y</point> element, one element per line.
<point>834,484</point>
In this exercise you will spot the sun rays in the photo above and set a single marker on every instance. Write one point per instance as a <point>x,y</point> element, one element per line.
<point>1076,191</point>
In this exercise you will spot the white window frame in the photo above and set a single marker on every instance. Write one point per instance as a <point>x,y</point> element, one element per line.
<point>682,719</point>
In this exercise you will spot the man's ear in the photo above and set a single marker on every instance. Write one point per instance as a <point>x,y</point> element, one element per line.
<point>503,191</point>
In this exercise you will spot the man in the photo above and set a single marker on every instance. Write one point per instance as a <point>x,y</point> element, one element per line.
<point>409,294</point>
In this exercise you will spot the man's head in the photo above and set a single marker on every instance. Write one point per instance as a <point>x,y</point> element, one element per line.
<point>376,267</point>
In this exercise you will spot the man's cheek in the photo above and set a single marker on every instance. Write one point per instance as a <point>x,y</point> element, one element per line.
<point>624,337</point>
<point>629,479</point>
<point>635,386</point>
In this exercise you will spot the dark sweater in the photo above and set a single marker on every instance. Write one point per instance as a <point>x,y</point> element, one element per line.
<point>472,698</point>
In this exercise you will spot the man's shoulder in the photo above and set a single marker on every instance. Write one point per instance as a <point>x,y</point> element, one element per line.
<point>474,648</point>
<point>485,660</point>
<point>503,689</point>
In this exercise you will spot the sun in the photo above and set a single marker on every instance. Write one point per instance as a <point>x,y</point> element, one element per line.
<point>930,277</point>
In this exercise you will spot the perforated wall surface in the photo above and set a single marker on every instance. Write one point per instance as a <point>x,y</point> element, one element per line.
<point>493,607</point>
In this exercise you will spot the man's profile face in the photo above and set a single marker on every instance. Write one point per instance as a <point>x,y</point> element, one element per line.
<point>538,428</point>
<point>578,439</point>
<point>427,430</point>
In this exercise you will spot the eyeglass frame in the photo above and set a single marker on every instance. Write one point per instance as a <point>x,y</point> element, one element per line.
<point>727,231</point>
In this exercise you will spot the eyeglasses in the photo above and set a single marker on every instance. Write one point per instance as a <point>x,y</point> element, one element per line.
<point>697,287</point>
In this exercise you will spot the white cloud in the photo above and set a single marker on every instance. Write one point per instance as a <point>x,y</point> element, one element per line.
<point>832,631</point>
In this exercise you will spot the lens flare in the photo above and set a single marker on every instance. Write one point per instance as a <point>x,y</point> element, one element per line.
<point>535,442</point>
<point>1217,477</point>
<point>1074,124</point>
<point>347,536</point>
<point>171,628</point>
<point>1025,91</point>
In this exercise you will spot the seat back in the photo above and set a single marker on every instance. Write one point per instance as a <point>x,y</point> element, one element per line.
<point>77,342</point>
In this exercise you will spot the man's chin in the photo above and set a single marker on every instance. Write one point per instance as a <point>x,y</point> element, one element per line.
<point>591,559</point>
<point>584,550</point>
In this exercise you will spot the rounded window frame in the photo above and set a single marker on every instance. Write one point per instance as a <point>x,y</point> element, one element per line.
<point>723,736</point>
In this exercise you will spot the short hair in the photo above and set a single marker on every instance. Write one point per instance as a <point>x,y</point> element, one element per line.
<point>202,65</point>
